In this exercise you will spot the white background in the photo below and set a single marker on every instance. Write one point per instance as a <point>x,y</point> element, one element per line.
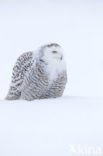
<point>76,25</point>
<point>50,127</point>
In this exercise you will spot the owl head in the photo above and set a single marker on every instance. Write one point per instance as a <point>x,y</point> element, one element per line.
<point>51,52</point>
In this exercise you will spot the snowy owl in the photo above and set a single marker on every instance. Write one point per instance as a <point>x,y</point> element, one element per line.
<point>39,74</point>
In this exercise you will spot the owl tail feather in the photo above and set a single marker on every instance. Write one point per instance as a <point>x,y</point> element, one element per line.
<point>12,96</point>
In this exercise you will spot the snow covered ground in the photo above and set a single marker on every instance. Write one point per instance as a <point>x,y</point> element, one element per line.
<point>72,124</point>
<point>65,126</point>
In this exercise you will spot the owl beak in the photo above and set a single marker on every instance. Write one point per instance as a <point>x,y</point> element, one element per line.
<point>61,57</point>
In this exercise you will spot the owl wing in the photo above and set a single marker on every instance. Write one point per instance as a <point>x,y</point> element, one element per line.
<point>22,65</point>
<point>35,83</point>
<point>57,87</point>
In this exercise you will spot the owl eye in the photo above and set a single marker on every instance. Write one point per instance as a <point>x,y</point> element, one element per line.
<point>54,52</point>
<point>42,60</point>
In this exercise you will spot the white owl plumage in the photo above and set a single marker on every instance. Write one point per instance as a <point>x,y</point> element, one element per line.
<point>40,74</point>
